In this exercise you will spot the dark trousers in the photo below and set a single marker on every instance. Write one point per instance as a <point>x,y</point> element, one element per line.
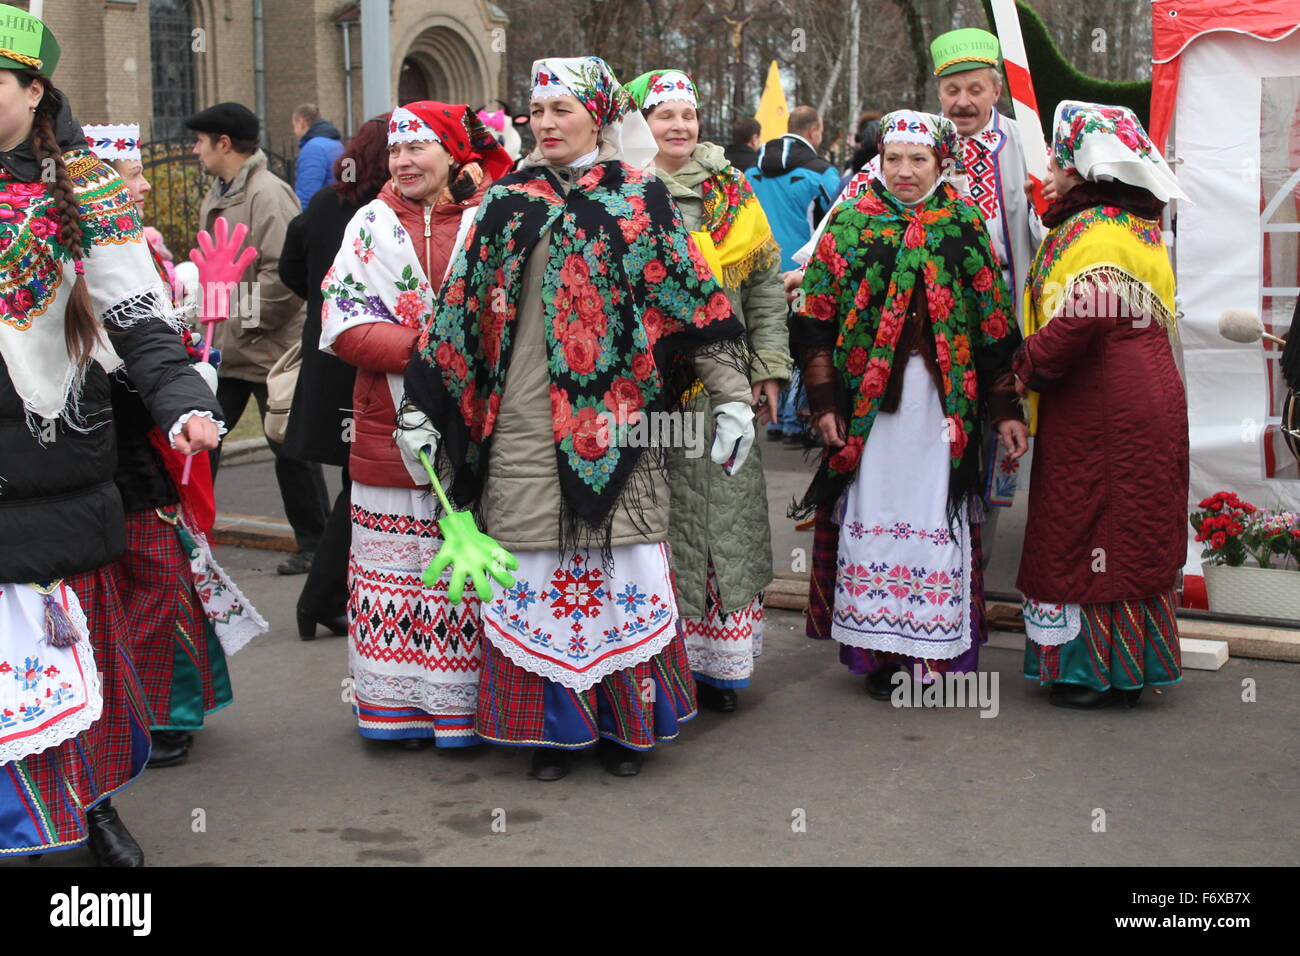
<point>325,592</point>
<point>302,483</point>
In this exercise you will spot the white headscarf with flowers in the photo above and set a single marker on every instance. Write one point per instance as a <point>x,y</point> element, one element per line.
<point>114,143</point>
<point>1108,142</point>
<point>590,81</point>
<point>925,129</point>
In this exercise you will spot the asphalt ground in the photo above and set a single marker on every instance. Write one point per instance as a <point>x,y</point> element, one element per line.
<point>809,770</point>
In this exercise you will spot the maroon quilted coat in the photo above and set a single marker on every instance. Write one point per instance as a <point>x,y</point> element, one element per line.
<point>1110,459</point>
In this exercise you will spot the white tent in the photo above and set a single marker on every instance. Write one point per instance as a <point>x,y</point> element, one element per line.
<point>1230,74</point>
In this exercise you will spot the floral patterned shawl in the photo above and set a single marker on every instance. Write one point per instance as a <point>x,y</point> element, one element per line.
<point>626,292</point>
<point>874,255</point>
<point>1108,142</point>
<point>37,275</point>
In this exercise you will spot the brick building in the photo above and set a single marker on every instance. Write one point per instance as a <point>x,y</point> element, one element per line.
<point>156,61</point>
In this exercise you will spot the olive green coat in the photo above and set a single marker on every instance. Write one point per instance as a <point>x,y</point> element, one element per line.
<point>715,517</point>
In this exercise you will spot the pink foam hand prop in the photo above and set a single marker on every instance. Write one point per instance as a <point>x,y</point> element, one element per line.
<point>221,265</point>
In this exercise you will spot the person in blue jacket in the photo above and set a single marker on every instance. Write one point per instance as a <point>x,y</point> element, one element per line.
<point>319,144</point>
<point>796,187</point>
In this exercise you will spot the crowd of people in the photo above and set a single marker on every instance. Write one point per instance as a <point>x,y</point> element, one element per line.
<point>511,320</point>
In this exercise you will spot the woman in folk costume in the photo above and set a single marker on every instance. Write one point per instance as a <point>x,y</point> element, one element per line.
<point>413,655</point>
<point>906,334</point>
<point>78,297</point>
<point>1107,527</point>
<point>574,318</point>
<point>175,645</point>
<point>718,529</point>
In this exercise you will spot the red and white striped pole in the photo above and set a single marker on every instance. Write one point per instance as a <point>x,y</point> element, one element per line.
<point>1023,101</point>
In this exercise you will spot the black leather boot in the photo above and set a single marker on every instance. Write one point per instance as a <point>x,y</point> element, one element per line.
<point>550,764</point>
<point>110,842</point>
<point>170,747</point>
<point>1079,697</point>
<point>619,760</point>
<point>721,699</point>
<point>880,684</point>
<point>338,626</point>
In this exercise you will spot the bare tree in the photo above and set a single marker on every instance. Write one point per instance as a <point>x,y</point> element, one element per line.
<point>805,38</point>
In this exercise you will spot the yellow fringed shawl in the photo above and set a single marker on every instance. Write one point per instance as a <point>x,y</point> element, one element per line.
<point>1127,253</point>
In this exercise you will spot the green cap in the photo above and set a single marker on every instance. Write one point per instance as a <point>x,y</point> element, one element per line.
<point>968,49</point>
<point>25,42</point>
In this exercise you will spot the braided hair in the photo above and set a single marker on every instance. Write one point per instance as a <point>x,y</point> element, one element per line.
<point>80,328</point>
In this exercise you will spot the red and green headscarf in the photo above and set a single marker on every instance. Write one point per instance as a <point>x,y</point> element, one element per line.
<point>661,86</point>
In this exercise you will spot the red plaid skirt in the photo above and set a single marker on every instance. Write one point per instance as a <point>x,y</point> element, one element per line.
<point>59,784</point>
<point>637,706</point>
<point>821,582</point>
<point>163,614</point>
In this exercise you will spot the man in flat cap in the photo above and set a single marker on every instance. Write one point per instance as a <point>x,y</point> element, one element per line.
<point>226,143</point>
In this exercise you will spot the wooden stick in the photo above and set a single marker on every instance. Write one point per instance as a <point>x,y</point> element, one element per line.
<point>1275,339</point>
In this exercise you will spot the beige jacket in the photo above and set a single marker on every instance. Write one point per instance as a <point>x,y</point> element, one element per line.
<point>250,344</point>
<point>521,500</point>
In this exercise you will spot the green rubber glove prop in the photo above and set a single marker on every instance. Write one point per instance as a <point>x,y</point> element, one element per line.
<point>468,551</point>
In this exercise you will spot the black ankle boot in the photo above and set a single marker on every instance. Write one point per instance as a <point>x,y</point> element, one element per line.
<point>720,699</point>
<point>550,764</point>
<point>110,842</point>
<point>1079,697</point>
<point>170,747</point>
<point>880,684</point>
<point>338,626</point>
<point>619,760</point>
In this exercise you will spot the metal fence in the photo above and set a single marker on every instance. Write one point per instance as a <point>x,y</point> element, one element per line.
<point>179,185</point>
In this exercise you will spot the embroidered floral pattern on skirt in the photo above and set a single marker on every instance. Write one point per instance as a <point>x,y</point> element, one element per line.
<point>579,622</point>
<point>48,694</point>
<point>43,798</point>
<point>414,656</point>
<point>637,706</point>
<point>847,578</point>
<point>903,580</point>
<point>723,645</point>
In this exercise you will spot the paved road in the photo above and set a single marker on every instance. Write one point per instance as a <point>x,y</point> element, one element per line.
<point>809,770</point>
